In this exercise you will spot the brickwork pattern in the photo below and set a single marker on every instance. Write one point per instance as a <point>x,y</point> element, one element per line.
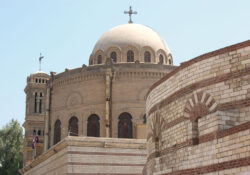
<point>205,107</point>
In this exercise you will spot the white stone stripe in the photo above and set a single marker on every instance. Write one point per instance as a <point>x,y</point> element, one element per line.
<point>209,100</point>
<point>203,97</point>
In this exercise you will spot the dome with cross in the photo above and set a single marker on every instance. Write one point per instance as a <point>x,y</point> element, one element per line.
<point>131,42</point>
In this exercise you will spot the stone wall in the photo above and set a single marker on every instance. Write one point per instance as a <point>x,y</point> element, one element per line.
<point>81,92</point>
<point>199,115</point>
<point>88,155</point>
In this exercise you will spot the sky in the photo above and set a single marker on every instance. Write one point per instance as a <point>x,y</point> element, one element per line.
<point>65,32</point>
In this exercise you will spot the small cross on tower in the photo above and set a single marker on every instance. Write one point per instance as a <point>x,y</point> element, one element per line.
<point>130,12</point>
<point>40,61</point>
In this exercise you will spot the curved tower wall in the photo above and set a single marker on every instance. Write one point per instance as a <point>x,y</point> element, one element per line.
<point>82,92</point>
<point>199,115</point>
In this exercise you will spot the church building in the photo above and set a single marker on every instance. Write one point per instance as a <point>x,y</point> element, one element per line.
<point>131,111</point>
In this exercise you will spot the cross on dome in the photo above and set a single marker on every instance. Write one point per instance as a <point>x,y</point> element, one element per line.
<point>130,12</point>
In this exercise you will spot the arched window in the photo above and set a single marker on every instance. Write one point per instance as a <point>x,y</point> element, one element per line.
<point>125,126</point>
<point>130,56</point>
<point>35,104</point>
<point>99,59</point>
<point>170,62</point>
<point>93,126</point>
<point>34,132</point>
<point>113,56</point>
<point>147,57</point>
<point>161,59</point>
<point>73,126</point>
<point>39,132</point>
<point>40,102</point>
<point>57,132</point>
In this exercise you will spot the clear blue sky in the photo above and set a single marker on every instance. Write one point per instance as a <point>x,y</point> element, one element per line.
<point>65,31</point>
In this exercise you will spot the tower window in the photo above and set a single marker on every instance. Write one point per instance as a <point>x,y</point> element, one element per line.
<point>170,62</point>
<point>113,56</point>
<point>93,126</point>
<point>147,57</point>
<point>99,59</point>
<point>130,56</point>
<point>40,103</point>
<point>35,104</point>
<point>161,60</point>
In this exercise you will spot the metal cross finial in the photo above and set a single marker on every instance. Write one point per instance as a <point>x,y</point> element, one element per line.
<point>130,12</point>
<point>40,61</point>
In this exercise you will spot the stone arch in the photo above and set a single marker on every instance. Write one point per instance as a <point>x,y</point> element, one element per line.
<point>73,99</point>
<point>116,50</point>
<point>169,59</point>
<point>125,125</point>
<point>147,49</point>
<point>93,126</point>
<point>198,105</point>
<point>163,53</point>
<point>156,127</point>
<point>99,52</point>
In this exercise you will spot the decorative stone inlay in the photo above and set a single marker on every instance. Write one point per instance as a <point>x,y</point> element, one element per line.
<point>200,104</point>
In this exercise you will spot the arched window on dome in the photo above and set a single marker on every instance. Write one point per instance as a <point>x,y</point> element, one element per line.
<point>57,132</point>
<point>93,129</point>
<point>161,59</point>
<point>99,59</point>
<point>73,126</point>
<point>170,61</point>
<point>130,56</point>
<point>113,56</point>
<point>147,57</point>
<point>125,126</point>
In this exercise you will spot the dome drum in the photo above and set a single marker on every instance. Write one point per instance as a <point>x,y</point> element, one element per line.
<point>131,42</point>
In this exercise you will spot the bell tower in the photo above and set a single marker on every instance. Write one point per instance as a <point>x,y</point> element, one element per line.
<point>34,125</point>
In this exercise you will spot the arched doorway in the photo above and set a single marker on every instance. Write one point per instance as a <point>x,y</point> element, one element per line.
<point>93,129</point>
<point>125,126</point>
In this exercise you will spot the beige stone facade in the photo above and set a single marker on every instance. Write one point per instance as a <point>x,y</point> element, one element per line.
<point>195,117</point>
<point>199,116</point>
<point>113,86</point>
